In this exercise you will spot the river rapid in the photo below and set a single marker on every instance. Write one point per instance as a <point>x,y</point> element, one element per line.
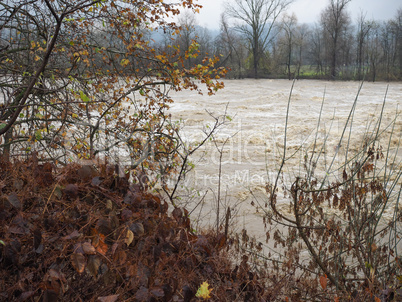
<point>253,136</point>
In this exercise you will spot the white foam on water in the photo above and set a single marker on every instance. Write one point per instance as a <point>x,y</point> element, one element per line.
<point>256,133</point>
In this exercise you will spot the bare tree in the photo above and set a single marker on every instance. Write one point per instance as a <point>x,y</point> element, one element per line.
<point>205,40</point>
<point>256,21</point>
<point>398,37</point>
<point>375,51</point>
<point>187,22</point>
<point>364,28</point>
<point>391,43</point>
<point>302,35</point>
<point>334,21</point>
<point>231,46</point>
<point>288,29</point>
<point>316,50</point>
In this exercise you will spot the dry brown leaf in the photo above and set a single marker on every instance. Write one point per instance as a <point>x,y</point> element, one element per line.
<point>323,281</point>
<point>14,200</point>
<point>94,263</point>
<point>73,235</point>
<point>111,298</point>
<point>78,261</point>
<point>88,248</point>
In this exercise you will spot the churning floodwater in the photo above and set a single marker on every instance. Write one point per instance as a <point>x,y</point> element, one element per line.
<point>252,138</point>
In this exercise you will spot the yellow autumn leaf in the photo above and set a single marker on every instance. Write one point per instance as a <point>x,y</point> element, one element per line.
<point>124,62</point>
<point>129,237</point>
<point>203,291</point>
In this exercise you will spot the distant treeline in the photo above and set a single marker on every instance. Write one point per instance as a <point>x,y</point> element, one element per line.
<point>334,47</point>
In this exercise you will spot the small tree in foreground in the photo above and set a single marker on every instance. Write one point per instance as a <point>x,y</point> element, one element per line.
<point>80,79</point>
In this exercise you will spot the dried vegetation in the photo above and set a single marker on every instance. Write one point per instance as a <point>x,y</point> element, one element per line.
<point>85,234</point>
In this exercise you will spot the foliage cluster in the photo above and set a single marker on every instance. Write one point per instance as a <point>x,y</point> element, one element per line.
<point>85,234</point>
<point>82,78</point>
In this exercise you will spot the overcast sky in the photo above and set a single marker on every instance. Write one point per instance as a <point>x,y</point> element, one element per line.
<point>307,11</point>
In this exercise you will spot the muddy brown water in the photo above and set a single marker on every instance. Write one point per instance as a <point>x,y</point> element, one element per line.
<point>252,139</point>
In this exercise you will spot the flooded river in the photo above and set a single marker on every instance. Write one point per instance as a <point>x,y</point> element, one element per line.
<point>252,138</point>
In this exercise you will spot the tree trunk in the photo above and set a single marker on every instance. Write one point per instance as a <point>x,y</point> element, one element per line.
<point>255,61</point>
<point>333,62</point>
<point>7,144</point>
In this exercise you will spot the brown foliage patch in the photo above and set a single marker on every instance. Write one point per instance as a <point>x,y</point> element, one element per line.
<point>84,234</point>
